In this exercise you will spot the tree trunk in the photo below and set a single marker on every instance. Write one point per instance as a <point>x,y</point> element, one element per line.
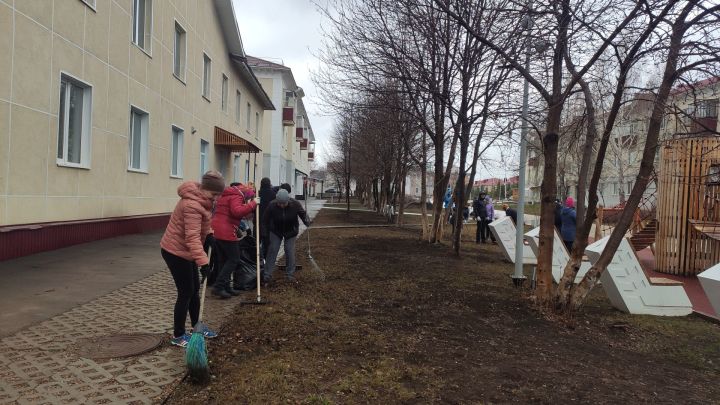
<point>582,290</point>
<point>548,188</point>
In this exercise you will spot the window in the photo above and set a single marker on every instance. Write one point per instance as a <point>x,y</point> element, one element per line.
<point>247,117</point>
<point>73,148</point>
<point>629,186</point>
<point>207,69</point>
<point>176,152</point>
<point>223,101</point>
<point>616,187</point>
<point>179,51</point>
<point>236,168</point>
<point>138,139</point>
<point>238,106</point>
<point>204,164</point>
<point>713,174</point>
<point>257,124</point>
<point>706,109</point>
<point>289,99</point>
<point>247,170</point>
<point>142,24</point>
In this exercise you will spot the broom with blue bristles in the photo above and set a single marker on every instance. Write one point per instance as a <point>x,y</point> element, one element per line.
<point>196,356</point>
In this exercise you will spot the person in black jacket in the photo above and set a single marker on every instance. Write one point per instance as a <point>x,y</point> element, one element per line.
<point>281,221</point>
<point>266,194</point>
<point>479,212</point>
<point>510,212</point>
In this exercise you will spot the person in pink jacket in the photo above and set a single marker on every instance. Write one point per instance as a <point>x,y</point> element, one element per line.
<point>182,248</point>
<point>235,203</point>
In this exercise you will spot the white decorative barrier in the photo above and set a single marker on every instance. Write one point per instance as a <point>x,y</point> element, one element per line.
<point>504,231</point>
<point>560,255</point>
<point>710,282</point>
<point>630,290</point>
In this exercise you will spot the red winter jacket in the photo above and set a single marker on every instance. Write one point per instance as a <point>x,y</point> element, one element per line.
<point>229,210</point>
<point>189,224</point>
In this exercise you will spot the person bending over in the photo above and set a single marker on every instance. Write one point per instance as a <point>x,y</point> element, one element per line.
<point>281,221</point>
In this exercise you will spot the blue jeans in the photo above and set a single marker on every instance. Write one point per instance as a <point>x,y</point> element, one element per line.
<point>272,254</point>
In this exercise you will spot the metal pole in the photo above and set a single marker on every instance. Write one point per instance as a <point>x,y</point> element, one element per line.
<point>518,276</point>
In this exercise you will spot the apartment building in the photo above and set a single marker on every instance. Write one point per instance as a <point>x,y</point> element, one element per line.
<point>288,140</point>
<point>622,159</point>
<point>106,106</point>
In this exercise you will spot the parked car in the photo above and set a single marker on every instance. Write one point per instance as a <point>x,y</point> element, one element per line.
<point>331,192</point>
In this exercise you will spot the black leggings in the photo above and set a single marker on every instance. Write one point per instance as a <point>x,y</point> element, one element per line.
<point>187,280</point>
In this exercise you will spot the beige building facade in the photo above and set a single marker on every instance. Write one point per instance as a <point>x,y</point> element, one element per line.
<point>106,106</point>
<point>288,139</point>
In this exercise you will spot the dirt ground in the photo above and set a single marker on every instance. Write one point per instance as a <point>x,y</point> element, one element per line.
<point>396,320</point>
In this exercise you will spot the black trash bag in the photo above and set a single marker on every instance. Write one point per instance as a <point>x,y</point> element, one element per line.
<point>245,275</point>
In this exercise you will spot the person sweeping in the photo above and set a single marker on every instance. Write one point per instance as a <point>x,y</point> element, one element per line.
<point>182,249</point>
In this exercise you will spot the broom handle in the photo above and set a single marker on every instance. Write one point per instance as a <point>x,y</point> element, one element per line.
<point>257,251</point>
<point>202,294</point>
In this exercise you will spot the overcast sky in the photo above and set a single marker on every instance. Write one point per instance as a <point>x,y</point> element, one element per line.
<point>288,32</point>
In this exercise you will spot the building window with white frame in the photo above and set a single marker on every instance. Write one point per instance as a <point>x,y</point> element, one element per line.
<point>236,168</point>
<point>247,170</point>
<point>74,128</point>
<point>176,152</point>
<point>139,128</point>
<point>238,106</point>
<point>248,114</point>
<point>142,24</point>
<point>224,98</point>
<point>257,124</point>
<point>180,52</point>
<point>204,163</point>
<point>207,70</point>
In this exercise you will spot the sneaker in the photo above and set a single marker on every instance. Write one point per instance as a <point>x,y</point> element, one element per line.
<point>209,333</point>
<point>180,341</point>
<point>221,293</point>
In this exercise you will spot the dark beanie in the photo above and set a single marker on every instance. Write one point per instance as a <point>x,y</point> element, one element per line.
<point>213,181</point>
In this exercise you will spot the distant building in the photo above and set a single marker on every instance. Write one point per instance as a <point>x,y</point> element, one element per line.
<point>288,139</point>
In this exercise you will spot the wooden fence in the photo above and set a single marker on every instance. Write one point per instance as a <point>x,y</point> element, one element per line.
<point>688,213</point>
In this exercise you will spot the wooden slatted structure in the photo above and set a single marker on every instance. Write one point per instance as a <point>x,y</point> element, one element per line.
<point>234,143</point>
<point>688,210</point>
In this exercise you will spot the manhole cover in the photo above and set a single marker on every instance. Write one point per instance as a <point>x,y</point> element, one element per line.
<point>113,346</point>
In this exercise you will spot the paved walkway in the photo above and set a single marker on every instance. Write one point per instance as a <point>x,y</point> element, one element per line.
<point>53,299</point>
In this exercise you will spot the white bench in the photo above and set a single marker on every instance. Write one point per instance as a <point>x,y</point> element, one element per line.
<point>504,231</point>
<point>710,282</point>
<point>560,256</point>
<point>631,291</point>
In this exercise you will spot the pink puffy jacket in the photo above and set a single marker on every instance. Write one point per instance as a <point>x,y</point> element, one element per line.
<point>189,224</point>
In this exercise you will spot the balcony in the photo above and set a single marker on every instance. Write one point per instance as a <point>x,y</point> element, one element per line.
<point>299,134</point>
<point>288,116</point>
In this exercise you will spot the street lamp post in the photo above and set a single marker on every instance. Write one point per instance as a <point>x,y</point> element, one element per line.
<point>518,276</point>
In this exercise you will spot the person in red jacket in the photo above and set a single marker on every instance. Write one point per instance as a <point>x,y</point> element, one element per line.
<point>182,248</point>
<point>229,210</point>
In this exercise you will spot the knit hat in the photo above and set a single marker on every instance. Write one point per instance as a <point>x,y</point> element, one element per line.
<point>213,181</point>
<point>570,202</point>
<point>282,196</point>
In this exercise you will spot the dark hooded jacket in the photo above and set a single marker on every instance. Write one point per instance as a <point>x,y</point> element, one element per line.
<point>283,222</point>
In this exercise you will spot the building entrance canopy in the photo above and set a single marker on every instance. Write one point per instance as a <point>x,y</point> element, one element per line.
<point>234,142</point>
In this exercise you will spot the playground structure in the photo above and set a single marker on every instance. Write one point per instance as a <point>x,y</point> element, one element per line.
<point>688,214</point>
